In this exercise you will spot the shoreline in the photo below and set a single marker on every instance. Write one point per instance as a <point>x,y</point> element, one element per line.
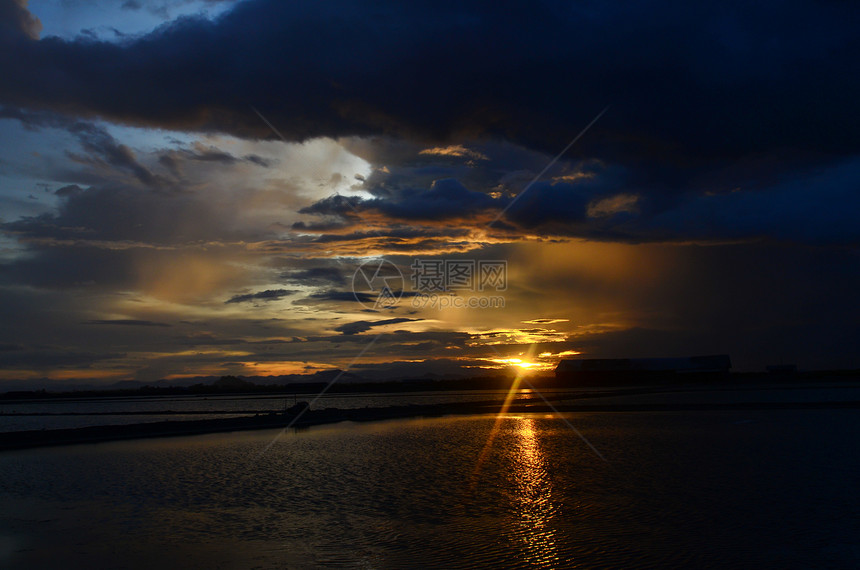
<point>18,440</point>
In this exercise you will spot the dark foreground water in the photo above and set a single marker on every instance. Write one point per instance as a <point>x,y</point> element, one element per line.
<point>742,489</point>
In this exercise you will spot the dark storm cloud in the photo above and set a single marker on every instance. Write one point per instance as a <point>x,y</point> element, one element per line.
<point>689,83</point>
<point>101,148</point>
<point>68,190</point>
<point>817,206</point>
<point>204,153</point>
<point>705,99</point>
<point>319,227</point>
<point>99,143</point>
<point>67,268</point>
<point>545,203</point>
<point>391,234</point>
<point>268,295</point>
<point>110,213</point>
<point>125,213</point>
<point>444,199</point>
<point>316,277</point>
<point>336,205</point>
<point>356,327</point>
<point>348,296</point>
<point>15,20</point>
<point>162,7</point>
<point>212,154</point>
<point>168,161</point>
<point>258,160</point>
<point>127,322</point>
<point>33,120</point>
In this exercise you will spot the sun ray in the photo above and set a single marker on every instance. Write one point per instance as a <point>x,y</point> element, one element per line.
<point>509,398</point>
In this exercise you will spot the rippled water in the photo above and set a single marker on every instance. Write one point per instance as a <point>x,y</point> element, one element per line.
<point>717,489</point>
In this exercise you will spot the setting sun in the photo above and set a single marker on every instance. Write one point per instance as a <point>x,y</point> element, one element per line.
<point>516,362</point>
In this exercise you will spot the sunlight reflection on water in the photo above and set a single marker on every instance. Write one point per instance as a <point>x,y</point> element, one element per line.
<point>533,501</point>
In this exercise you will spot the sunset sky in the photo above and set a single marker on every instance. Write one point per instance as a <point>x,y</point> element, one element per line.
<point>188,187</point>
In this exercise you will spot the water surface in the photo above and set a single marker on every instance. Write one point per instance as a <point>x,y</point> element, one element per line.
<point>715,489</point>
